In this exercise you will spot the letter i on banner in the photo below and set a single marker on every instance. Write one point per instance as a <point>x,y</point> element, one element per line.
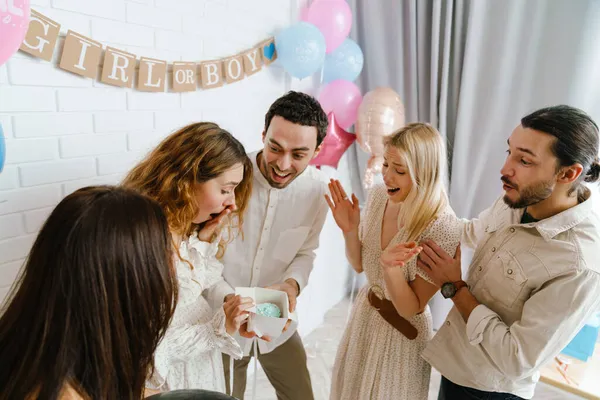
<point>81,55</point>
<point>41,36</point>
<point>184,77</point>
<point>118,68</point>
<point>152,75</point>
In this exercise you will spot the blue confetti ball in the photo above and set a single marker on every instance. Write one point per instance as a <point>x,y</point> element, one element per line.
<point>268,310</point>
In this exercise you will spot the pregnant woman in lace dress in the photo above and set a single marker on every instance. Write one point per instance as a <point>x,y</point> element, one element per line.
<point>201,177</point>
<point>375,360</point>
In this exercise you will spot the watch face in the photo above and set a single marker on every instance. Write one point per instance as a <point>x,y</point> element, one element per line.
<point>448,290</point>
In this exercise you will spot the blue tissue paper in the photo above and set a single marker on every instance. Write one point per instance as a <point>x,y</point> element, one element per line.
<point>583,344</point>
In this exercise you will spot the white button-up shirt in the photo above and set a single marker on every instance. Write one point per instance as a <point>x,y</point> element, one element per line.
<point>280,235</point>
<point>538,283</point>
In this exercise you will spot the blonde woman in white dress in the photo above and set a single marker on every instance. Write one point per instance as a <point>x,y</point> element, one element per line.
<point>201,177</point>
<point>375,360</point>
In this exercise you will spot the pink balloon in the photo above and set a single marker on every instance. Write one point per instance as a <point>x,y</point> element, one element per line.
<point>334,20</point>
<point>380,114</point>
<point>334,145</point>
<point>14,21</point>
<point>304,14</point>
<point>343,99</point>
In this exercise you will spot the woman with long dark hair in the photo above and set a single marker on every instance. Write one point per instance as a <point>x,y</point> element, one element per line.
<point>93,300</point>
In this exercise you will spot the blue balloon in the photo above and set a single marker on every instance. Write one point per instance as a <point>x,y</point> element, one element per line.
<point>2,149</point>
<point>301,49</point>
<point>345,62</point>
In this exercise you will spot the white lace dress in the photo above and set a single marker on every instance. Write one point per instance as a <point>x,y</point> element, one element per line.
<point>189,356</point>
<point>374,361</point>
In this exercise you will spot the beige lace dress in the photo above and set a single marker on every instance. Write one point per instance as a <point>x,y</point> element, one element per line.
<point>374,360</point>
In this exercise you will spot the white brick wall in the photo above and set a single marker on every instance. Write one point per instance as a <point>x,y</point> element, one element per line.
<point>34,174</point>
<point>64,132</point>
<point>29,150</point>
<point>91,99</point>
<point>51,124</point>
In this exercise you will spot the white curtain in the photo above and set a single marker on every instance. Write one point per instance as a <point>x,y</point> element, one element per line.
<point>473,68</point>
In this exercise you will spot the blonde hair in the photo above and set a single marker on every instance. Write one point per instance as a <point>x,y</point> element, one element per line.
<point>194,154</point>
<point>423,150</point>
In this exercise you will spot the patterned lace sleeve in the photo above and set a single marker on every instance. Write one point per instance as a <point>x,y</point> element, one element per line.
<point>184,343</point>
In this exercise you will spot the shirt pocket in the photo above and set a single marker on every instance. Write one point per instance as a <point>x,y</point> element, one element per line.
<point>505,279</point>
<point>289,243</point>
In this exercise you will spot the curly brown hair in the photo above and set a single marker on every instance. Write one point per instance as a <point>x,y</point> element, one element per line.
<point>194,154</point>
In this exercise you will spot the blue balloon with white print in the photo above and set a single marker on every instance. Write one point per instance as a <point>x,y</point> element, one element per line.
<point>345,62</point>
<point>301,49</point>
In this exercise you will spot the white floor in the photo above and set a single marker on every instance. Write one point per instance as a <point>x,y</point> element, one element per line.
<point>321,346</point>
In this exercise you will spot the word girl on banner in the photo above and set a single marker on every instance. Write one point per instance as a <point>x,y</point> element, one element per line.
<point>84,56</point>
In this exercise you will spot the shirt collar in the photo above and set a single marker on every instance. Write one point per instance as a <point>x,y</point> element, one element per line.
<point>549,227</point>
<point>258,176</point>
<point>561,222</point>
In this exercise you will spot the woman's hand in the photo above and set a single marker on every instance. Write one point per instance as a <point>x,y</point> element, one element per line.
<point>345,212</point>
<point>235,312</point>
<point>212,226</point>
<point>399,255</point>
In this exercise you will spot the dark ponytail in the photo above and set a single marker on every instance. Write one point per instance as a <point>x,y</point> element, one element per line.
<point>593,174</point>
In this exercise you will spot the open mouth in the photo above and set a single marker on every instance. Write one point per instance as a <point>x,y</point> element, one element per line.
<point>393,190</point>
<point>279,176</point>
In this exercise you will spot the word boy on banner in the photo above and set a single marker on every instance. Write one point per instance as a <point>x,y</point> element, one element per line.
<point>83,56</point>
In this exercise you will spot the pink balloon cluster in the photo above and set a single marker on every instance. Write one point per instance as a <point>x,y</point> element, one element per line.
<point>340,98</point>
<point>14,22</point>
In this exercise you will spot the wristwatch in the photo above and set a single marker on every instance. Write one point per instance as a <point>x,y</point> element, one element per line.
<point>449,289</point>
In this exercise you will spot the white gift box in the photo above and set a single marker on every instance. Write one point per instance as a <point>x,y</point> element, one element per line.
<point>263,325</point>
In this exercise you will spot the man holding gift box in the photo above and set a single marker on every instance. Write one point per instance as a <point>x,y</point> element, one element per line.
<point>281,229</point>
<point>535,277</point>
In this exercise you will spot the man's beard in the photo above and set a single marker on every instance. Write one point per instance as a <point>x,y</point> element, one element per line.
<point>529,195</point>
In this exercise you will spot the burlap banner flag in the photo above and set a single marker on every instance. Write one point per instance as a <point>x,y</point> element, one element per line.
<point>269,54</point>
<point>81,55</point>
<point>211,74</point>
<point>152,75</point>
<point>41,37</point>
<point>185,77</point>
<point>118,68</point>
<point>84,56</point>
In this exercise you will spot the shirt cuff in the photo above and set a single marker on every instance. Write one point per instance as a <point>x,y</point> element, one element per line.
<point>297,278</point>
<point>478,321</point>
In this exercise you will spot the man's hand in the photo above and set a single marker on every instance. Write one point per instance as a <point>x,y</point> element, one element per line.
<point>438,264</point>
<point>249,335</point>
<point>291,287</point>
